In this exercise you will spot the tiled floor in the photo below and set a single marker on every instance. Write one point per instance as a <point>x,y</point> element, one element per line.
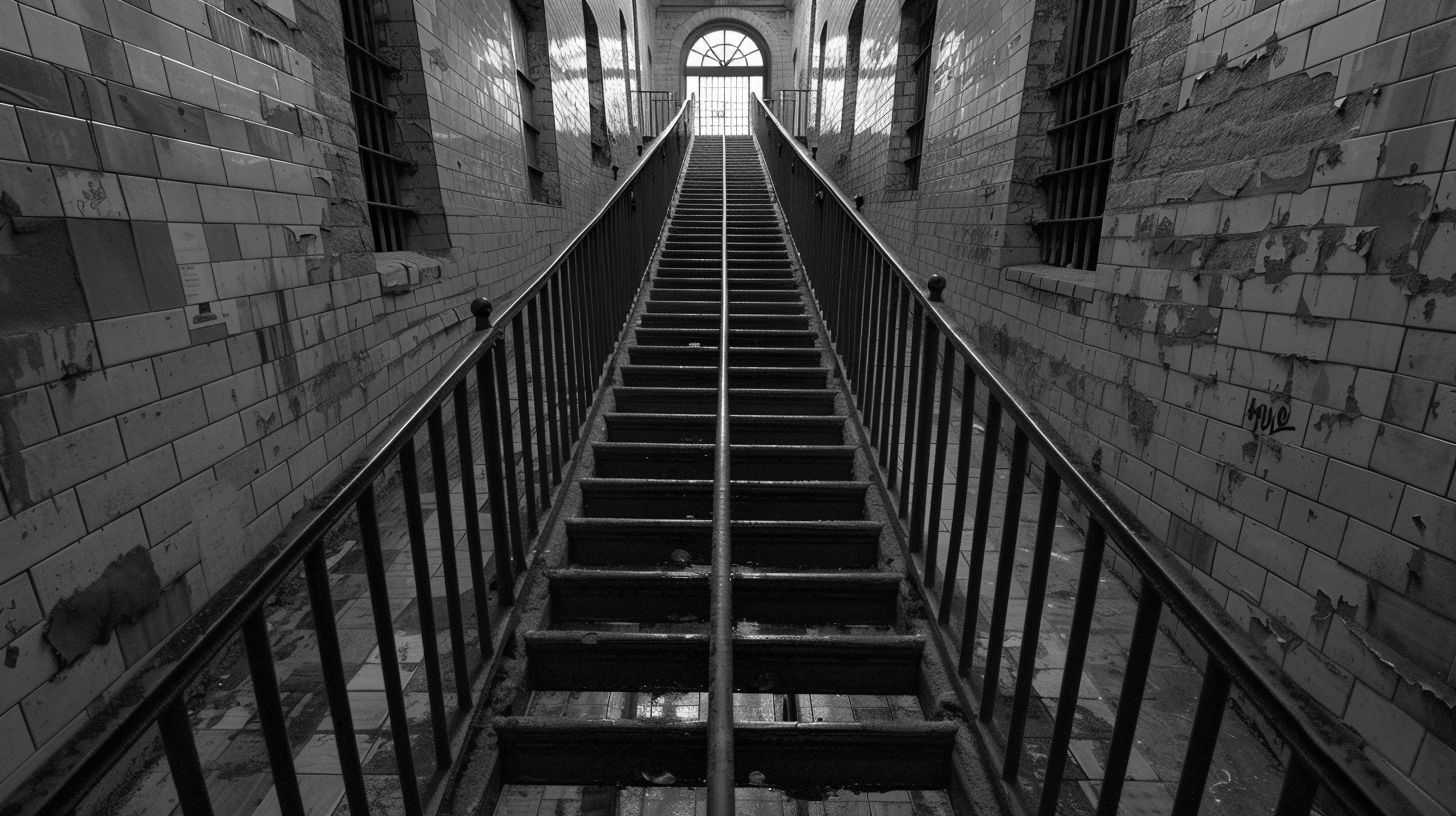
<point>1245,774</point>
<point>224,714</point>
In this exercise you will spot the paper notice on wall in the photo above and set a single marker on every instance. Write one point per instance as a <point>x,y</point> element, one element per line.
<point>217,313</point>
<point>198,285</point>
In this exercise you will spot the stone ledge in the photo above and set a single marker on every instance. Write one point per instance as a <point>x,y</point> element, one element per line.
<point>1073,283</point>
<point>400,272</point>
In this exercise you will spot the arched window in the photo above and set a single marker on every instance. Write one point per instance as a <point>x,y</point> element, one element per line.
<point>819,85</point>
<point>626,68</point>
<point>851,72</point>
<point>596,91</point>
<point>723,67</point>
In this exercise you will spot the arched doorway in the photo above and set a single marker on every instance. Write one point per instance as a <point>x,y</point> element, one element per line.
<point>724,65</point>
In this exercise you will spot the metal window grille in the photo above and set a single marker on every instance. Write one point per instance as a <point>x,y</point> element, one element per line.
<point>1088,101</point>
<point>923,14</point>
<point>368,74</point>
<point>530,130</point>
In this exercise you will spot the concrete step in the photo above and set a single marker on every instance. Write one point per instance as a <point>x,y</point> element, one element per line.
<point>749,500</point>
<point>580,596</point>
<point>745,429</point>
<point>695,461</point>
<point>807,545</point>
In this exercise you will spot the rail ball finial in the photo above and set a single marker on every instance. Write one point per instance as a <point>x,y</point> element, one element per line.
<point>859,202</point>
<point>481,308</point>
<point>936,285</point>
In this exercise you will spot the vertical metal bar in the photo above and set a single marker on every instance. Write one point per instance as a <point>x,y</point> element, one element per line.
<point>1011,521</point>
<point>505,571</point>
<point>720,691</point>
<point>991,445</point>
<point>1130,701</point>
<point>1087,582</point>
<point>472,521</point>
<point>918,486</point>
<point>523,406</point>
<point>1296,795</point>
<point>907,454</point>
<point>894,378</point>
<point>270,713</point>
<point>1202,740</point>
<point>544,361</point>
<point>187,776</point>
<point>1041,557</point>
<point>513,499</point>
<point>388,656</point>
<point>325,629</point>
<point>443,509</point>
<point>942,438</point>
<point>424,600</point>
<point>958,509</point>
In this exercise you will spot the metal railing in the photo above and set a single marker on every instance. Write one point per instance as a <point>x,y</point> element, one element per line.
<point>655,109</point>
<point>878,318</point>
<point>792,110</point>
<point>555,334</point>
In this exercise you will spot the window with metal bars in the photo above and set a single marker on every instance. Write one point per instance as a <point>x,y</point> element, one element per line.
<point>530,129</point>
<point>601,140</point>
<point>917,32</point>
<point>368,75</point>
<point>855,35</point>
<point>1088,102</point>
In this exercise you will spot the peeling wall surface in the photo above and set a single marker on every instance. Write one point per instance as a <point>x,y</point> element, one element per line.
<point>1263,362</point>
<point>195,336</point>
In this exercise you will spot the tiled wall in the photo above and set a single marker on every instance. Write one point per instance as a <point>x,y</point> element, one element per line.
<point>195,337</point>
<point>1281,228</point>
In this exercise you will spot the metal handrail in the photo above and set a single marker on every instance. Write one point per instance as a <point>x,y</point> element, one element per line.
<point>720,690</point>
<point>1323,750</point>
<point>155,694</point>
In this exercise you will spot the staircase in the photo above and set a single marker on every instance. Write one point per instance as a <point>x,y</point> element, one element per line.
<point>830,674</point>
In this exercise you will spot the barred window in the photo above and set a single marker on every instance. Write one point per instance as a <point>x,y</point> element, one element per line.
<point>1087,101</point>
<point>851,72</point>
<point>368,75</point>
<point>917,31</point>
<point>530,128</point>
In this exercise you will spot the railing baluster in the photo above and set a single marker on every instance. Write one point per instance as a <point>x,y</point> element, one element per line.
<point>942,438</point>
<point>187,777</point>
<point>523,408</point>
<point>543,354</point>
<point>505,571</point>
<point>877,354</point>
<point>561,363</point>
<point>985,490</point>
<point>1041,557</point>
<point>912,397</point>
<point>918,485</point>
<point>958,511</point>
<point>513,499</point>
<point>472,520</point>
<point>1296,794</point>
<point>1010,527</point>
<point>270,713</point>
<point>1130,701</point>
<point>1072,670</point>
<point>374,568</point>
<point>443,510</point>
<point>424,599</point>
<point>326,633</point>
<point>895,373</point>
<point>1202,739</point>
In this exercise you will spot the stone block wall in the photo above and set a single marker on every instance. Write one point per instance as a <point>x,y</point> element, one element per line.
<point>195,334</point>
<point>1264,361</point>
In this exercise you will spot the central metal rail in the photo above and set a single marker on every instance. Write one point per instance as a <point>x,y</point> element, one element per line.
<point>720,649</point>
